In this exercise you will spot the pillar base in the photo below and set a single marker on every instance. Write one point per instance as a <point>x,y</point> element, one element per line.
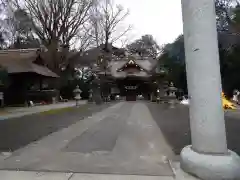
<point>209,166</point>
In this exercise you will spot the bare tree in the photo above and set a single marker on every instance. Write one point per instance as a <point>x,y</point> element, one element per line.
<point>56,23</point>
<point>82,41</point>
<point>228,15</point>
<point>7,21</point>
<point>105,19</point>
<point>95,24</point>
<point>124,42</point>
<point>145,46</point>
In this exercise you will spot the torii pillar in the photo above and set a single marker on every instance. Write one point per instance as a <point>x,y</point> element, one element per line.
<point>208,157</point>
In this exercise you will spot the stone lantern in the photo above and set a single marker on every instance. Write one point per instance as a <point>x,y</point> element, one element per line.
<point>158,95</point>
<point>77,95</point>
<point>165,89</point>
<point>172,95</point>
<point>90,99</point>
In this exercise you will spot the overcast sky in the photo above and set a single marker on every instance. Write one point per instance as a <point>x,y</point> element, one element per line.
<point>161,18</point>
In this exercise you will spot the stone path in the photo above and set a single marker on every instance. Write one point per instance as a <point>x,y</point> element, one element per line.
<point>31,175</point>
<point>23,175</point>
<point>123,139</point>
<point>120,142</point>
<point>19,132</point>
<point>175,126</point>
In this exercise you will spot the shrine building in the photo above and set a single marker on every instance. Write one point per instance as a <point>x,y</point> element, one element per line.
<point>134,75</point>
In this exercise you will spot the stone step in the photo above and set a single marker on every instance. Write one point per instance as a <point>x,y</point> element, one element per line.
<point>33,175</point>
<point>30,175</point>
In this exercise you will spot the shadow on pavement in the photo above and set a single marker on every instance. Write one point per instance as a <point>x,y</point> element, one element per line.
<point>175,126</point>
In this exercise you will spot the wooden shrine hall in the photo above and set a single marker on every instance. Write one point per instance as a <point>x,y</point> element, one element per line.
<point>134,75</point>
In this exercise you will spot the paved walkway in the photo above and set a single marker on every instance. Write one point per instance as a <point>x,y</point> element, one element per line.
<point>30,175</point>
<point>14,112</point>
<point>19,132</point>
<point>122,141</point>
<point>175,126</point>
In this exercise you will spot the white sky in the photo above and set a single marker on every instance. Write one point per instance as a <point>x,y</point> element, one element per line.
<point>160,18</point>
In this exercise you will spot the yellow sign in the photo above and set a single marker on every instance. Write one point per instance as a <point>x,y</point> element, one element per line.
<point>226,103</point>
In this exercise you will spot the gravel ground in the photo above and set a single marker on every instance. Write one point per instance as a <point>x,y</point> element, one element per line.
<point>18,132</point>
<point>174,123</point>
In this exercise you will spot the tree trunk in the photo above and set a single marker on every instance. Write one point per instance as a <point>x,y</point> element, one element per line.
<point>106,41</point>
<point>52,57</point>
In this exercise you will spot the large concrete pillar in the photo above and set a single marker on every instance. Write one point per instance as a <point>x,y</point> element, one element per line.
<point>208,156</point>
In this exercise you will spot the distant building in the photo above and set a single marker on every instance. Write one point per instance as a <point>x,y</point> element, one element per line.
<point>27,75</point>
<point>122,73</point>
<point>133,75</point>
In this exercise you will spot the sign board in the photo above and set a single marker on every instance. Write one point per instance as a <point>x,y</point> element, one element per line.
<point>130,87</point>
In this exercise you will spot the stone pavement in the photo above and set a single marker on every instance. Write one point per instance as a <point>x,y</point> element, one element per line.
<point>175,126</point>
<point>14,112</point>
<point>19,132</point>
<point>30,175</point>
<point>122,141</point>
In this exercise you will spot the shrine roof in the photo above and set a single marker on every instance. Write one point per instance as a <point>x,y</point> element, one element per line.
<point>147,64</point>
<point>21,61</point>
